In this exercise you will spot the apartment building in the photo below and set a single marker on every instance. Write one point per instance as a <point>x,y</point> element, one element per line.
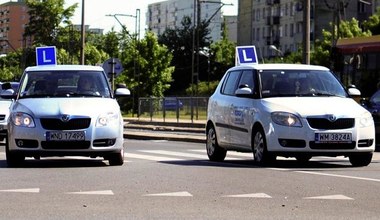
<point>280,22</point>
<point>13,19</point>
<point>169,14</point>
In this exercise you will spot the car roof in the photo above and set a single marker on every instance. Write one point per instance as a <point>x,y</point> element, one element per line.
<point>280,66</point>
<point>64,67</point>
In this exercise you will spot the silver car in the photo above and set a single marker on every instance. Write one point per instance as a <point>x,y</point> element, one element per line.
<point>65,110</point>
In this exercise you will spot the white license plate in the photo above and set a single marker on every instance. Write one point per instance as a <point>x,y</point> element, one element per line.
<point>333,137</point>
<point>65,136</point>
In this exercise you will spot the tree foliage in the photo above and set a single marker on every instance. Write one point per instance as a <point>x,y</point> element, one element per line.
<point>179,42</point>
<point>147,67</point>
<point>45,17</point>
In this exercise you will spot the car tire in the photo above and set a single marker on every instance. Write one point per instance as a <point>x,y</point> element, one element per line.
<point>261,155</point>
<point>360,160</point>
<point>116,159</point>
<point>13,159</point>
<point>214,151</point>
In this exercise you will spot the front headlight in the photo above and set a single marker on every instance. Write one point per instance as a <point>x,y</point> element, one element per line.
<point>366,120</point>
<point>107,119</point>
<point>22,120</point>
<point>286,119</point>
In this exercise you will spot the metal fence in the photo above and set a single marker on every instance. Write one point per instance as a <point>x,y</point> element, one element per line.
<point>179,108</point>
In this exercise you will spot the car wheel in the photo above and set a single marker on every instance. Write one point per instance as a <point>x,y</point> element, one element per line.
<point>261,155</point>
<point>116,159</point>
<point>214,151</point>
<point>13,159</point>
<point>360,160</point>
<point>303,159</point>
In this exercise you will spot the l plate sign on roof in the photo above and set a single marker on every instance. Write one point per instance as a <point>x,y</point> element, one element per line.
<point>245,55</point>
<point>46,55</point>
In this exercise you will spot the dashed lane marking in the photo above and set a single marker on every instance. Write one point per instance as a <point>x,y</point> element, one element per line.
<point>331,197</point>
<point>102,192</point>
<point>172,194</point>
<point>29,190</point>
<point>251,195</point>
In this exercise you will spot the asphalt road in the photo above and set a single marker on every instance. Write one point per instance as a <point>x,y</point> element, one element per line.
<point>175,180</point>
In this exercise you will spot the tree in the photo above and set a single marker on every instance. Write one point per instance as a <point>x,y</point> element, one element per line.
<point>153,62</point>
<point>45,17</point>
<point>179,42</point>
<point>373,23</point>
<point>223,53</point>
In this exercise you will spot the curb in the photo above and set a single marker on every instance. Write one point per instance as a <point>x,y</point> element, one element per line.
<point>182,138</point>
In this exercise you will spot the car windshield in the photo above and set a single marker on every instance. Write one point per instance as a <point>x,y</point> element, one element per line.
<point>280,83</point>
<point>64,84</point>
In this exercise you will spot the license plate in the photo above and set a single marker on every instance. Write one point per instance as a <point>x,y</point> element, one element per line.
<point>65,136</point>
<point>333,137</point>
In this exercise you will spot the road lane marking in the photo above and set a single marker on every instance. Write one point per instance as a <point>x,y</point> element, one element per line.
<point>173,194</point>
<point>30,190</point>
<point>337,175</point>
<point>251,195</point>
<point>332,197</point>
<point>153,158</point>
<point>102,192</point>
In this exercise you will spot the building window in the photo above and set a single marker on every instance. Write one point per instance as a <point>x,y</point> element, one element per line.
<point>258,34</point>
<point>291,9</point>
<point>263,13</point>
<point>291,30</point>
<point>286,30</point>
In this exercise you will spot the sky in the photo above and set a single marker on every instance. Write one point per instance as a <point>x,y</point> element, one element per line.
<point>96,12</point>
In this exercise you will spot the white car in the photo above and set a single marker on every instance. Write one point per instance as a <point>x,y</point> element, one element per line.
<point>290,110</point>
<point>6,88</point>
<point>64,110</point>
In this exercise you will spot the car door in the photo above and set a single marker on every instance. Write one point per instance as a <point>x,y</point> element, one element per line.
<point>241,111</point>
<point>222,107</point>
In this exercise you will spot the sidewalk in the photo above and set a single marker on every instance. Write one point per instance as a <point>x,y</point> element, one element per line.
<point>168,129</point>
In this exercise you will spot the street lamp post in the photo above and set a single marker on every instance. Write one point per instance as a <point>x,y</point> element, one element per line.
<point>135,38</point>
<point>273,47</point>
<point>82,36</point>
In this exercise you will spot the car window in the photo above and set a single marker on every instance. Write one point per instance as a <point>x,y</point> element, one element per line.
<point>246,79</point>
<point>64,84</point>
<point>230,83</point>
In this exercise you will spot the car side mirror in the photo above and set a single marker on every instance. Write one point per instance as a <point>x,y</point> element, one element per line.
<point>122,92</point>
<point>354,92</point>
<point>8,94</point>
<point>244,92</point>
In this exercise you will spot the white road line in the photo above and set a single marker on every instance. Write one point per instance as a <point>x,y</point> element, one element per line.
<point>102,192</point>
<point>30,190</point>
<point>154,158</point>
<point>177,154</point>
<point>251,195</point>
<point>331,197</point>
<point>336,175</point>
<point>174,194</point>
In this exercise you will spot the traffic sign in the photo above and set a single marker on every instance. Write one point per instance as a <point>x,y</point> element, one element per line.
<point>113,67</point>
<point>245,55</point>
<point>46,55</point>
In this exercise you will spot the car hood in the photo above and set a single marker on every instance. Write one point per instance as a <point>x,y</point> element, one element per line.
<point>316,106</point>
<point>40,107</point>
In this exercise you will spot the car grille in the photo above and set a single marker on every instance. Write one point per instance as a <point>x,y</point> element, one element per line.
<point>324,123</point>
<point>72,124</point>
<point>65,145</point>
<point>2,117</point>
